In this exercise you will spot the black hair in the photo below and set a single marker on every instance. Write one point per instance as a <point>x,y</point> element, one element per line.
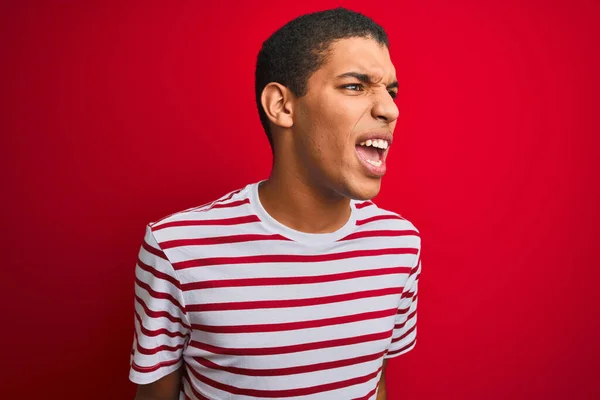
<point>299,48</point>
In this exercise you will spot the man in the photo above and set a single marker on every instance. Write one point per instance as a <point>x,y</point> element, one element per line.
<point>296,287</point>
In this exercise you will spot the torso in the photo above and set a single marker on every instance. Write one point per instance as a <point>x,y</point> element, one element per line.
<point>276,313</point>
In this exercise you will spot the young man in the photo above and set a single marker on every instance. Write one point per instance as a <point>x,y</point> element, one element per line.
<point>297,287</point>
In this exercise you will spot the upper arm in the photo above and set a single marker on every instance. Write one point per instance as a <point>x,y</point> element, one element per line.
<point>161,323</point>
<point>404,336</point>
<point>166,388</point>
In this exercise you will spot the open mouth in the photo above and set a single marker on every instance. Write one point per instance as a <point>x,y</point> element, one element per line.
<point>373,153</point>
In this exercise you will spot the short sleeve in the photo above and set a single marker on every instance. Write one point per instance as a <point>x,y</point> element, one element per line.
<point>404,336</point>
<point>161,324</point>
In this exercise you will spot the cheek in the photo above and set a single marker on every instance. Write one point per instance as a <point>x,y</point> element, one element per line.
<point>333,111</point>
<point>328,124</point>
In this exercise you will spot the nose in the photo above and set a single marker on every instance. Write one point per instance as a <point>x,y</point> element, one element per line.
<point>384,109</point>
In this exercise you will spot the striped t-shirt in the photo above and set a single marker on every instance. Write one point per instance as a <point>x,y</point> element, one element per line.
<point>256,310</point>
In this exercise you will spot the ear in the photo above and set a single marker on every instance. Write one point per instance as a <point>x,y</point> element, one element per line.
<point>278,103</point>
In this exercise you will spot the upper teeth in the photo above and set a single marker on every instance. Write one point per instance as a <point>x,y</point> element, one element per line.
<point>379,143</point>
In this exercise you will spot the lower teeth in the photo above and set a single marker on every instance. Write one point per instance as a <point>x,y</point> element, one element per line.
<point>375,163</point>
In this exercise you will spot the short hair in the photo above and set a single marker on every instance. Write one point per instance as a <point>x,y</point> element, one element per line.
<point>299,48</point>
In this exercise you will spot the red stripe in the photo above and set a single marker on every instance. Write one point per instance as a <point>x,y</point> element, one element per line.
<point>379,233</point>
<point>407,295</point>
<point>289,258</point>
<point>210,205</point>
<point>417,278</point>
<point>162,331</point>
<point>231,194</point>
<point>363,205</point>
<point>289,326</point>
<point>290,370</point>
<point>232,204</point>
<point>197,394</point>
<point>220,240</point>
<point>210,222</point>
<point>153,368</point>
<point>152,250</point>
<point>368,395</point>
<point>158,274</point>
<point>186,383</point>
<point>228,196</point>
<point>377,218</point>
<point>266,351</point>
<point>306,391</point>
<point>391,353</point>
<point>225,198</point>
<point>408,332</point>
<point>400,326</point>
<point>207,206</point>
<point>403,310</point>
<point>200,208</point>
<point>179,212</point>
<point>154,350</point>
<point>253,305</point>
<point>416,267</point>
<point>158,314</point>
<point>294,280</point>
<point>159,295</point>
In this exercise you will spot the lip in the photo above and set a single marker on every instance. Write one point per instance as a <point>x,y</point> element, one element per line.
<point>386,135</point>
<point>372,170</point>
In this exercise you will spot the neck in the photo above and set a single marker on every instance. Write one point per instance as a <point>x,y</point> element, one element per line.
<point>300,206</point>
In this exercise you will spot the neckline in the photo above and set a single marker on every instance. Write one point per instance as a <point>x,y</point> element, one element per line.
<point>298,236</point>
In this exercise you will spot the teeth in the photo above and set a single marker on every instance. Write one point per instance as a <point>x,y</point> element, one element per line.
<point>375,163</point>
<point>378,143</point>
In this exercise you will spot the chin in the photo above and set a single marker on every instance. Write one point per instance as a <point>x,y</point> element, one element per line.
<point>363,189</point>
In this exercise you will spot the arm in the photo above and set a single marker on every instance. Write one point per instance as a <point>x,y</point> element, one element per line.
<point>166,388</point>
<point>404,336</point>
<point>161,325</point>
<point>381,389</point>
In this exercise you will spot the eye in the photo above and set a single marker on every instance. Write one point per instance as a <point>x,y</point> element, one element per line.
<point>393,94</point>
<point>355,87</point>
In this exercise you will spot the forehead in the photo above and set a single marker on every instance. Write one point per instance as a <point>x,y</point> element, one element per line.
<point>359,55</point>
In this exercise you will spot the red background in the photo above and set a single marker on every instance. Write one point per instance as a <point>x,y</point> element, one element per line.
<point>116,115</point>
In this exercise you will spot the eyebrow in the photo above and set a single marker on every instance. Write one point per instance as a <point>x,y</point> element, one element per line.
<point>366,78</point>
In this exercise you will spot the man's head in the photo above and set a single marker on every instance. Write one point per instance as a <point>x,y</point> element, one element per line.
<point>325,85</point>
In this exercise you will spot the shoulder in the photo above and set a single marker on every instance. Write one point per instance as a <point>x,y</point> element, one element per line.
<point>227,210</point>
<point>369,213</point>
<point>385,225</point>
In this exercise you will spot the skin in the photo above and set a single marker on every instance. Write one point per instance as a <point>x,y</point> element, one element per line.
<point>166,388</point>
<point>381,387</point>
<point>316,170</point>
